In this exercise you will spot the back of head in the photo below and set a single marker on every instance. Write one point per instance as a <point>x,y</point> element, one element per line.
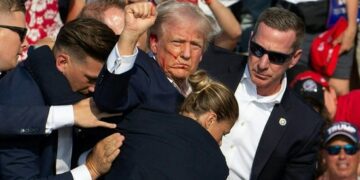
<point>86,37</point>
<point>282,20</point>
<point>7,6</point>
<point>96,9</point>
<point>172,11</point>
<point>208,95</point>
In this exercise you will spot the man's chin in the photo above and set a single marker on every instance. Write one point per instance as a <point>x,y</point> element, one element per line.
<point>182,75</point>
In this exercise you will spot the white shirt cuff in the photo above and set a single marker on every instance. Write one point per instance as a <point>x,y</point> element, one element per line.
<point>83,156</point>
<point>81,173</point>
<point>126,62</point>
<point>59,116</point>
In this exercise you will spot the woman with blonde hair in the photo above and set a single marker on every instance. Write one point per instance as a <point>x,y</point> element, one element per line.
<point>181,146</point>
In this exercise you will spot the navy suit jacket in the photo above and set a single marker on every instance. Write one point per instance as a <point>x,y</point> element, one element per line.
<point>22,120</point>
<point>284,152</point>
<point>166,146</point>
<point>33,157</point>
<point>144,86</point>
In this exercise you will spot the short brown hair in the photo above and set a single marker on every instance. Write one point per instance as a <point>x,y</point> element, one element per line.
<point>283,20</point>
<point>7,6</point>
<point>86,36</point>
<point>209,95</point>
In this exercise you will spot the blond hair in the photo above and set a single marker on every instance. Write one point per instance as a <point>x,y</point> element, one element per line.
<point>209,95</point>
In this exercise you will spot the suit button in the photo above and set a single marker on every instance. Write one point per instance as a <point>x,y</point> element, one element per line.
<point>25,131</point>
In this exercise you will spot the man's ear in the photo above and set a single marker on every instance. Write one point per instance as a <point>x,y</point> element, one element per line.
<point>295,59</point>
<point>62,61</point>
<point>210,119</point>
<point>153,41</point>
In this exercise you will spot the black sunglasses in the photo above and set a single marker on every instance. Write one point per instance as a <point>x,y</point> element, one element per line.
<point>274,57</point>
<point>19,30</point>
<point>349,149</point>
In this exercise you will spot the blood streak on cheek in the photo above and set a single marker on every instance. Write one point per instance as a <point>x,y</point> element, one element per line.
<point>174,53</point>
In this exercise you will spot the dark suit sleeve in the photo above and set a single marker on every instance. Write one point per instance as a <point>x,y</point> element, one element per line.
<point>121,92</point>
<point>17,120</point>
<point>15,152</point>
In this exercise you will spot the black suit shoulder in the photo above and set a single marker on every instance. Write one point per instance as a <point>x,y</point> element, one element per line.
<point>167,146</point>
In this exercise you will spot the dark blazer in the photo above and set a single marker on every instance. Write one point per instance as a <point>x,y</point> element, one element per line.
<point>165,146</point>
<point>284,152</point>
<point>33,158</point>
<point>22,120</point>
<point>144,86</point>
<point>290,151</point>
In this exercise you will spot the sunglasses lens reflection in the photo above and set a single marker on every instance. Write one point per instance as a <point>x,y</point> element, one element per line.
<point>274,57</point>
<point>335,150</point>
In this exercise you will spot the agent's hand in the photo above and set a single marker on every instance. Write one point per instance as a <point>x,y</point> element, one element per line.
<point>87,115</point>
<point>100,159</point>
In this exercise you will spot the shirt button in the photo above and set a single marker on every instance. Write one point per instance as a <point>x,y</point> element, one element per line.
<point>232,147</point>
<point>242,123</point>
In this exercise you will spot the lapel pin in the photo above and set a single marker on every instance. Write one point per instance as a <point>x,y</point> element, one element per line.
<point>282,121</point>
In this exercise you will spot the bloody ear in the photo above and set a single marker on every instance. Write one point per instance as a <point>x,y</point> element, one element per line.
<point>153,43</point>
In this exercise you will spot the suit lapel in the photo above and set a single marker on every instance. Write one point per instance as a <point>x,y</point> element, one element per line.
<point>274,130</point>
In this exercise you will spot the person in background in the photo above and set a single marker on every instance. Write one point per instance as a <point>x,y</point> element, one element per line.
<point>315,14</point>
<point>42,20</point>
<point>111,13</point>
<point>315,89</point>
<point>229,28</point>
<point>341,152</point>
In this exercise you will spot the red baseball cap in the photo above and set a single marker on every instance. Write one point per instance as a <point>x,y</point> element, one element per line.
<point>310,85</point>
<point>324,55</point>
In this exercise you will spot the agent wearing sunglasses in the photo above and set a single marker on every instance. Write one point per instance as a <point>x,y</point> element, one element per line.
<point>12,34</point>
<point>341,152</point>
<point>276,134</point>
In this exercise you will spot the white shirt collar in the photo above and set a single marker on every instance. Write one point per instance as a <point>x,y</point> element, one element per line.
<point>251,90</point>
<point>184,91</point>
